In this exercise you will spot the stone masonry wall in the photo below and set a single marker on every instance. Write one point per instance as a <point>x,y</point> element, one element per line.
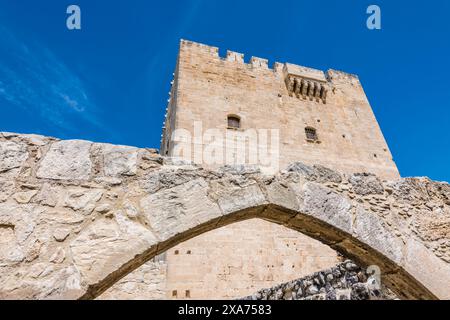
<point>24,185</point>
<point>228,263</point>
<point>346,281</point>
<point>73,212</point>
<point>148,282</point>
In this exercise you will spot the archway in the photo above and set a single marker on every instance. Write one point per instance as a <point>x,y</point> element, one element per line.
<point>78,216</point>
<point>397,279</point>
<point>230,262</point>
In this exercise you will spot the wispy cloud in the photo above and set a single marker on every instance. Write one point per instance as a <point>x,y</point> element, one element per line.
<point>34,80</point>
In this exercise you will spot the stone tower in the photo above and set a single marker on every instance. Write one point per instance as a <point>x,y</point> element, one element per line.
<point>321,117</point>
<point>315,117</point>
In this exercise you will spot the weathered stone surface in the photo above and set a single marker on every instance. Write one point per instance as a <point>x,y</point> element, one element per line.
<point>169,177</point>
<point>103,208</point>
<point>130,209</point>
<point>24,197</point>
<point>82,199</point>
<point>144,285</point>
<point>61,234</point>
<point>66,160</point>
<point>6,189</point>
<point>427,268</point>
<point>58,256</point>
<point>119,160</point>
<point>48,195</point>
<point>69,232</point>
<point>315,173</point>
<point>327,205</point>
<point>365,184</point>
<point>370,229</point>
<point>12,155</point>
<point>179,208</point>
<point>352,283</point>
<point>281,194</point>
<point>23,218</point>
<point>100,248</point>
<point>10,252</point>
<point>234,193</point>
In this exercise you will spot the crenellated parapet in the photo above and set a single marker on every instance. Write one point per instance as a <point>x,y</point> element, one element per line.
<point>301,82</point>
<point>256,62</point>
<point>191,45</point>
<point>235,56</point>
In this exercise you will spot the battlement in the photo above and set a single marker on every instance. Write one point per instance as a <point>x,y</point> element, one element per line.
<point>277,67</point>
<point>214,51</point>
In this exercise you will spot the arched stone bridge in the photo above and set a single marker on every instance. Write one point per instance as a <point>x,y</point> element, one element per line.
<point>77,216</point>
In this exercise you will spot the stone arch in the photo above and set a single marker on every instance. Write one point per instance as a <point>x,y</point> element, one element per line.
<point>92,213</point>
<point>393,275</point>
<point>228,263</point>
<point>296,202</point>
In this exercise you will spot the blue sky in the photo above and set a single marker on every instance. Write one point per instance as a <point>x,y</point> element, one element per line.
<point>109,82</point>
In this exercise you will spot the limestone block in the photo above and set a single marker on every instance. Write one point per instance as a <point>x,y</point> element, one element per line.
<point>282,195</point>
<point>60,234</point>
<point>66,160</point>
<point>365,184</point>
<point>103,208</point>
<point>10,251</point>
<point>327,206</point>
<point>83,200</point>
<point>33,250</point>
<point>58,256</point>
<point>180,208</point>
<point>6,189</point>
<point>49,195</point>
<point>427,268</point>
<point>130,209</point>
<point>119,160</point>
<point>24,197</point>
<point>305,72</point>
<point>235,56</point>
<point>236,192</point>
<point>12,155</point>
<point>106,244</point>
<point>169,177</point>
<point>370,229</point>
<point>61,217</point>
<point>36,140</point>
<point>316,173</point>
<point>23,218</point>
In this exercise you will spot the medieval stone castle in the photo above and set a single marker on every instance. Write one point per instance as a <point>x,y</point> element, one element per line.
<point>323,118</point>
<point>85,220</point>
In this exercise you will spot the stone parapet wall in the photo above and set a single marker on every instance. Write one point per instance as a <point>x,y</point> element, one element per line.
<point>77,216</point>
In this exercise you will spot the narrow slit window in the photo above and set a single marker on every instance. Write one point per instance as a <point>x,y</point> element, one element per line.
<point>234,122</point>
